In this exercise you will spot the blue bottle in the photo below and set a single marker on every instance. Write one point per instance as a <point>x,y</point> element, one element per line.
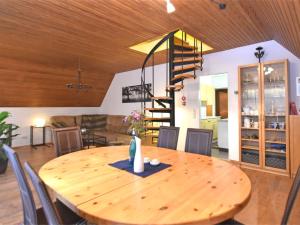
<point>132,148</point>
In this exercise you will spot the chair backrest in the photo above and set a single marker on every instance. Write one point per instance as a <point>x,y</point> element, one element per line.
<point>66,140</point>
<point>50,211</point>
<point>29,208</point>
<point>168,137</point>
<point>199,141</point>
<point>291,198</point>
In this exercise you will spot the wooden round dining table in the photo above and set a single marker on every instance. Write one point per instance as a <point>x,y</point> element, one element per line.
<point>195,189</point>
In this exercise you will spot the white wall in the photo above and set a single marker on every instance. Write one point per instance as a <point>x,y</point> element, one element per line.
<point>215,63</point>
<point>112,103</point>
<point>24,117</point>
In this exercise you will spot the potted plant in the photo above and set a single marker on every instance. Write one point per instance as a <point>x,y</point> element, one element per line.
<point>5,138</point>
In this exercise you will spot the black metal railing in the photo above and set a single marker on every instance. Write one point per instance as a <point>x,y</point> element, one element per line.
<point>150,54</point>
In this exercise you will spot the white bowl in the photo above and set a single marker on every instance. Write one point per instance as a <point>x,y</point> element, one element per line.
<point>154,162</point>
<point>147,159</point>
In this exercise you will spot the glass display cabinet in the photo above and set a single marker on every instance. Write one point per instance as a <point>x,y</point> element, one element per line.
<point>263,102</point>
<point>250,102</point>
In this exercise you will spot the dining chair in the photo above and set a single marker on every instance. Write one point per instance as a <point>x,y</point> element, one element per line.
<point>53,216</point>
<point>291,198</point>
<point>168,137</point>
<point>31,214</point>
<point>67,140</point>
<point>199,141</point>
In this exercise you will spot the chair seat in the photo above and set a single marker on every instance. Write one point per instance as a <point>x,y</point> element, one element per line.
<point>230,222</point>
<point>67,215</point>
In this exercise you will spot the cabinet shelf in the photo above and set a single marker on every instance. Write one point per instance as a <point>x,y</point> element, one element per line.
<point>250,147</point>
<point>275,142</point>
<point>275,130</point>
<point>275,151</point>
<point>248,139</point>
<point>274,115</point>
<point>249,128</point>
<point>249,115</point>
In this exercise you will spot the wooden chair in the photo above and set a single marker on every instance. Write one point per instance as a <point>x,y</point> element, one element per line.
<point>52,214</point>
<point>67,140</point>
<point>291,198</point>
<point>199,141</point>
<point>168,137</point>
<point>31,214</point>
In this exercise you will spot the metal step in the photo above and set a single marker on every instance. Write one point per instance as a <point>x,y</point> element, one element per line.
<point>185,69</point>
<point>152,128</point>
<point>184,47</point>
<point>185,61</point>
<point>176,87</point>
<point>158,110</point>
<point>162,98</point>
<point>181,77</point>
<point>186,54</point>
<point>154,119</point>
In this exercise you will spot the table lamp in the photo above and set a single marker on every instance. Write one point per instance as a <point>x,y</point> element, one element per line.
<point>39,122</point>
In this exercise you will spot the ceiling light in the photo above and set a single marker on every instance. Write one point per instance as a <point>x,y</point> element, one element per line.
<point>170,6</point>
<point>78,86</point>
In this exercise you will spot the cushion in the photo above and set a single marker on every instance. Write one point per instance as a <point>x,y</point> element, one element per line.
<point>113,136</point>
<point>92,122</point>
<point>78,120</point>
<point>115,123</point>
<point>63,121</point>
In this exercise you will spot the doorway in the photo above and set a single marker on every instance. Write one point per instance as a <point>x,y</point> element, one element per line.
<point>214,111</point>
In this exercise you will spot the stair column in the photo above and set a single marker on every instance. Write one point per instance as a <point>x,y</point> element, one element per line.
<point>171,76</point>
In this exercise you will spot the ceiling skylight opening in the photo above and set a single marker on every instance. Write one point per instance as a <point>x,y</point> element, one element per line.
<point>146,46</point>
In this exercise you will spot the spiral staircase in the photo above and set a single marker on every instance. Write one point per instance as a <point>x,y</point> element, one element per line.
<point>182,61</point>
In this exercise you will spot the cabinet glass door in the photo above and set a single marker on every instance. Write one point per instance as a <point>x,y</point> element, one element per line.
<point>250,108</point>
<point>275,113</point>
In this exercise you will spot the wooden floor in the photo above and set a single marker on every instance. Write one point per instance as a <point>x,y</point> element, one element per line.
<point>265,207</point>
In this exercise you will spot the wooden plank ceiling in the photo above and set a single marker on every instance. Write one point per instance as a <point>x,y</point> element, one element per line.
<point>41,40</point>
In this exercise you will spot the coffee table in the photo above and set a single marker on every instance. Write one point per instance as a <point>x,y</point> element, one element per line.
<point>90,138</point>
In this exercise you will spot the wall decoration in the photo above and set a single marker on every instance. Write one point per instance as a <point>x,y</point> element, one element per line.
<point>298,85</point>
<point>135,93</point>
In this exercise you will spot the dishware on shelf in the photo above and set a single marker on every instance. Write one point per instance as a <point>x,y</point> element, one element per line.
<point>247,122</point>
<point>282,125</point>
<point>255,125</point>
<point>246,110</point>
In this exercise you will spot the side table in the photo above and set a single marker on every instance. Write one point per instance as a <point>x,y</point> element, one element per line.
<point>44,136</point>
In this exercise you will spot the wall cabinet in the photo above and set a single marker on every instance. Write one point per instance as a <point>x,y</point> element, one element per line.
<point>264,116</point>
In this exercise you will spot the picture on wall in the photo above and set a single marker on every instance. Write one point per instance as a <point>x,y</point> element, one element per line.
<point>135,93</point>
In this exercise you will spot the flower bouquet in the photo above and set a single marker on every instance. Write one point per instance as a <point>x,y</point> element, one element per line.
<point>136,121</point>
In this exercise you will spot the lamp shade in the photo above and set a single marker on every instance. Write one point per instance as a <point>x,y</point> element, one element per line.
<point>39,122</point>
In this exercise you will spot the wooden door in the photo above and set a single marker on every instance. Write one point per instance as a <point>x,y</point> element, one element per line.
<point>222,103</point>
